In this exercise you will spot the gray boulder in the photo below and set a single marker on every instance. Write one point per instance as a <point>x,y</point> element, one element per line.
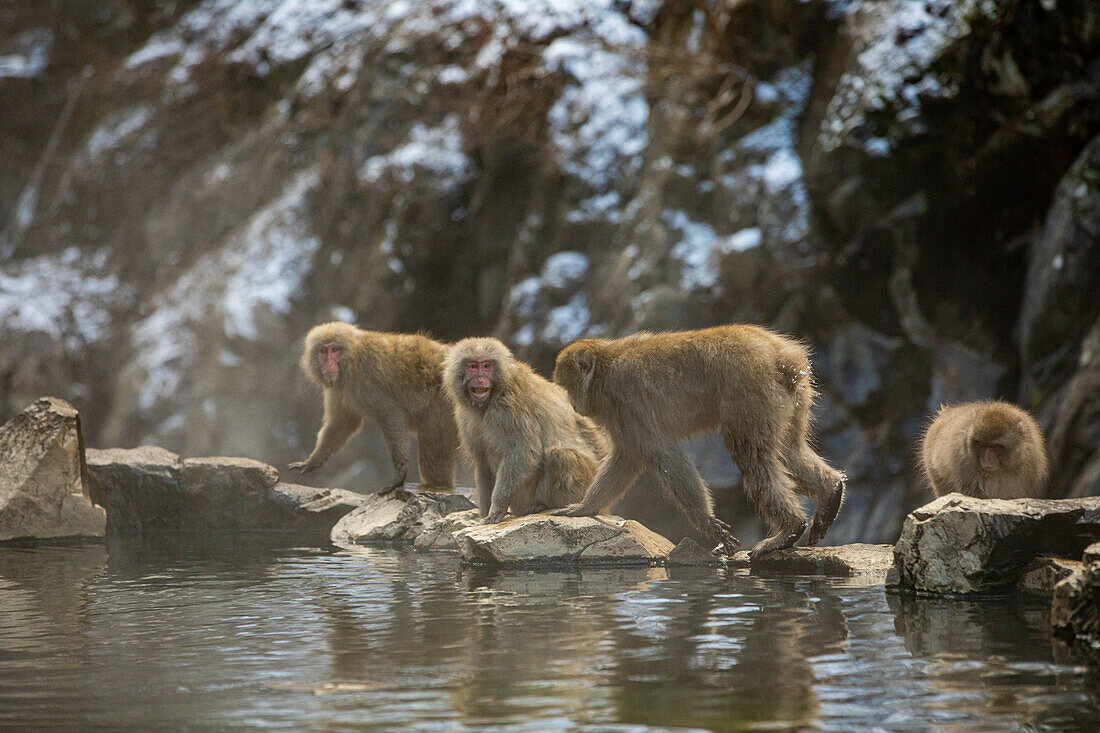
<point>438,532</point>
<point>399,518</point>
<point>958,544</point>
<point>149,489</point>
<point>1043,573</point>
<point>1075,608</point>
<point>42,476</point>
<point>543,539</point>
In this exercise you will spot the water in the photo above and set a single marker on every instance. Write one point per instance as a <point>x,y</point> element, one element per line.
<point>238,634</point>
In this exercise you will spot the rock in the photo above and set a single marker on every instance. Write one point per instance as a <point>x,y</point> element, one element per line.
<point>149,489</point>
<point>43,491</point>
<point>845,561</point>
<point>1075,610</point>
<point>399,517</point>
<point>541,538</point>
<point>690,552</point>
<point>1043,573</point>
<point>958,544</point>
<point>438,533</point>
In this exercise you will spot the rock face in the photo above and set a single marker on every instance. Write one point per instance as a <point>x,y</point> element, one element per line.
<point>957,544</point>
<point>403,517</point>
<point>1043,573</point>
<point>1075,610</point>
<point>42,476</point>
<point>541,538</point>
<point>872,562</point>
<point>149,488</point>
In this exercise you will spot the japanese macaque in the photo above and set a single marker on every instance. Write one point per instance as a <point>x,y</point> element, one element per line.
<point>394,380</point>
<point>989,450</point>
<point>530,450</point>
<point>652,390</point>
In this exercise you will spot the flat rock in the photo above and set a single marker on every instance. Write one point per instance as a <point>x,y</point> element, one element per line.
<point>542,538</point>
<point>399,517</point>
<point>871,562</point>
<point>958,544</point>
<point>1043,573</point>
<point>438,533</point>
<point>43,487</point>
<point>149,489</point>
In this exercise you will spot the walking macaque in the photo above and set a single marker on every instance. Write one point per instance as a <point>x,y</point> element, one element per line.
<point>531,452</point>
<point>652,390</point>
<point>394,380</point>
<point>989,450</point>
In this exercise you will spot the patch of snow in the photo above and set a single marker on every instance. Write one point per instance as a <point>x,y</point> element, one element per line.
<point>568,322</point>
<point>524,296</point>
<point>343,314</point>
<point>31,54</point>
<point>564,269</point>
<point>604,207</point>
<point>435,150</point>
<point>69,296</point>
<point>698,269</point>
<point>453,75</point>
<point>899,40</point>
<point>117,127</point>
<point>525,336</point>
<point>742,241</point>
<point>261,263</point>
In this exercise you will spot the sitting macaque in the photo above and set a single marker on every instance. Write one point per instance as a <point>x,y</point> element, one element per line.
<point>393,380</point>
<point>989,450</point>
<point>530,450</point>
<point>653,390</point>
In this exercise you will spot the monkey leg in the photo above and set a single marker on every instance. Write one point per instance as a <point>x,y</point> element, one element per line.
<point>770,490</point>
<point>437,445</point>
<point>614,476</point>
<point>566,475</point>
<point>395,433</point>
<point>821,482</point>
<point>682,480</point>
<point>517,476</point>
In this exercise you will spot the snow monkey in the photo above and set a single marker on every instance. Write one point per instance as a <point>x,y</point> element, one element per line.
<point>530,450</point>
<point>990,450</point>
<point>652,390</point>
<point>395,381</point>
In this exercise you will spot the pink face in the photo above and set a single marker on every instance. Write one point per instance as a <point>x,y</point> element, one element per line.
<point>479,378</point>
<point>328,359</point>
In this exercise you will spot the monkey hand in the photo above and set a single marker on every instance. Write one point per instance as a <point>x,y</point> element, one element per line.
<point>303,466</point>
<point>575,510</point>
<point>727,543</point>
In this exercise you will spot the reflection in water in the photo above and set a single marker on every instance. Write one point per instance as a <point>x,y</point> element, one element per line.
<point>203,632</point>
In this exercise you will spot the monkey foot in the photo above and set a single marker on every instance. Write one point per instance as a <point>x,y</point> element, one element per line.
<point>575,510</point>
<point>825,514</point>
<point>727,543</point>
<point>301,467</point>
<point>777,542</point>
<point>494,518</point>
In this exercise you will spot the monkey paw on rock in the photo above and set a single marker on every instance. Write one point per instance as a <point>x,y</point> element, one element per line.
<point>303,466</point>
<point>575,510</point>
<point>494,517</point>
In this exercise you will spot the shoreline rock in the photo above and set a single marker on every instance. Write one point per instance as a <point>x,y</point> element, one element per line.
<point>873,562</point>
<point>43,477</point>
<point>404,517</point>
<point>961,545</point>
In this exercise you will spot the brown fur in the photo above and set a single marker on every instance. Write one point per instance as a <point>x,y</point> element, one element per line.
<point>529,449</point>
<point>650,391</point>
<point>950,452</point>
<point>395,381</point>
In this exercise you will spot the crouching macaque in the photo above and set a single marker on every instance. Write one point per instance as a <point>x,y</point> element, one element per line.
<point>394,380</point>
<point>653,390</point>
<point>989,450</point>
<point>530,450</point>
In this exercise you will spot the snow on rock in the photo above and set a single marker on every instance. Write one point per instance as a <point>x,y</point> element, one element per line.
<point>69,296</point>
<point>115,129</point>
<point>262,263</point>
<point>27,55</point>
<point>435,150</point>
<point>898,41</point>
<point>564,269</point>
<point>567,322</point>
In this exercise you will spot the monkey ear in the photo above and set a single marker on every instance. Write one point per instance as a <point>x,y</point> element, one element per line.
<point>585,361</point>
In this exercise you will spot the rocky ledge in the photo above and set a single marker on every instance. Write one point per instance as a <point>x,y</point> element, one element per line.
<point>423,519</point>
<point>1075,609</point>
<point>150,489</point>
<point>961,545</point>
